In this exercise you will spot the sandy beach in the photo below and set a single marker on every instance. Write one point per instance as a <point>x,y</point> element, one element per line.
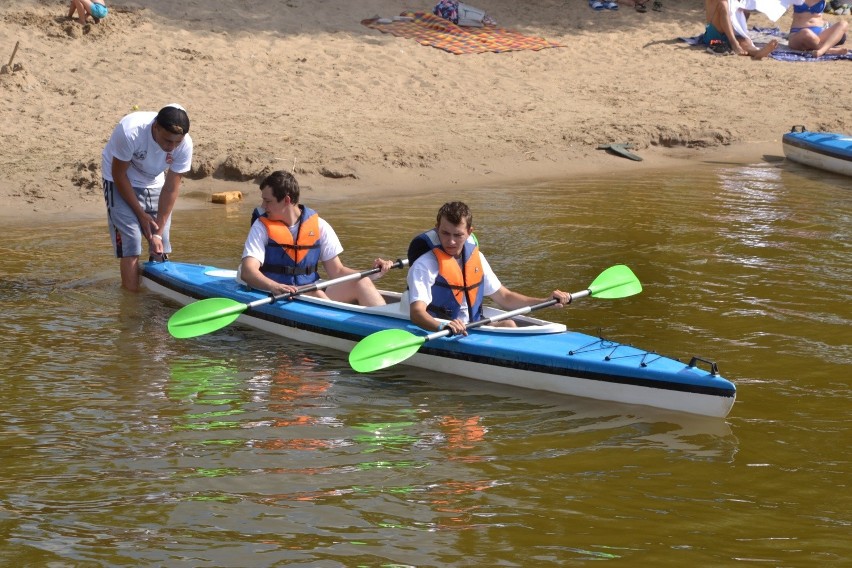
<point>303,85</point>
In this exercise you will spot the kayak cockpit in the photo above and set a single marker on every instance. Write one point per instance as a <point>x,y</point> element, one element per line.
<point>397,307</point>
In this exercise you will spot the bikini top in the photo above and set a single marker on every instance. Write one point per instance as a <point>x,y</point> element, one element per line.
<point>817,8</point>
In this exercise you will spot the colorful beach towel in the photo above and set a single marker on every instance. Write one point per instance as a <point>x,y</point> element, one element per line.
<point>761,36</point>
<point>432,30</point>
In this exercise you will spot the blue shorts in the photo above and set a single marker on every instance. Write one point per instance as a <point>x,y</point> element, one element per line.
<point>98,11</point>
<point>711,33</point>
<point>124,228</point>
<point>818,30</point>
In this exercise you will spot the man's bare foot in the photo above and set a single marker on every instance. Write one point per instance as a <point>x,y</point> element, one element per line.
<point>765,50</point>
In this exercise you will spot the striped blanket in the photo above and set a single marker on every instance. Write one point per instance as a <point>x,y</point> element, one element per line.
<point>434,31</point>
<point>761,36</point>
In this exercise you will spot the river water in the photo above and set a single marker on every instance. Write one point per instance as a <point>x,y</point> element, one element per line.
<point>123,446</point>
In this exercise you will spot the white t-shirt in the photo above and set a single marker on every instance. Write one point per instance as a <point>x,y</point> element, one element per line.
<point>258,237</point>
<point>132,141</point>
<point>424,271</point>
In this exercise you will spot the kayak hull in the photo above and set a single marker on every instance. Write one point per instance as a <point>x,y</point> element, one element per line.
<point>539,355</point>
<point>824,150</point>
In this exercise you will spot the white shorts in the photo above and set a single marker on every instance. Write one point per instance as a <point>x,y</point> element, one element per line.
<point>124,228</point>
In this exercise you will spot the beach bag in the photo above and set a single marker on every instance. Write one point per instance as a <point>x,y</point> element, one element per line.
<point>462,14</point>
<point>470,16</point>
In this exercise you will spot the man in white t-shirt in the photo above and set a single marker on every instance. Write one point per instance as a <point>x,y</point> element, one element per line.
<point>139,193</point>
<point>288,242</point>
<point>448,274</point>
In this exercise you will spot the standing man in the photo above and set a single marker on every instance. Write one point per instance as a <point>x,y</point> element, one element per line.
<point>448,277</point>
<point>140,194</point>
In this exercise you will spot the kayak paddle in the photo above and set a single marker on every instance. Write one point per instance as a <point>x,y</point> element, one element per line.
<point>208,315</point>
<point>391,346</point>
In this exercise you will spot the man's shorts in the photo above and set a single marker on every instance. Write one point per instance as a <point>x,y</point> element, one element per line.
<point>124,228</point>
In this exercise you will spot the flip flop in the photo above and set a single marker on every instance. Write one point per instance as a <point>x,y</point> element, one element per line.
<point>596,5</point>
<point>641,7</point>
<point>620,150</point>
<point>610,5</point>
<point>658,6</point>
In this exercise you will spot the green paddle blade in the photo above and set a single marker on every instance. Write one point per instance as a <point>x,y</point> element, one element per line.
<point>615,282</point>
<point>384,349</point>
<point>204,316</point>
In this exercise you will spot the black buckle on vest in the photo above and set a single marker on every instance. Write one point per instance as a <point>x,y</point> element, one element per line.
<point>439,311</point>
<point>291,270</point>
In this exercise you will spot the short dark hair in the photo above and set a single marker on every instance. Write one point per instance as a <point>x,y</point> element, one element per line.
<point>173,119</point>
<point>455,212</point>
<point>283,184</point>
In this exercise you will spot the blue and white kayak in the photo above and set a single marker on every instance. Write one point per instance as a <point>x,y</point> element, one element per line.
<point>537,354</point>
<point>824,150</point>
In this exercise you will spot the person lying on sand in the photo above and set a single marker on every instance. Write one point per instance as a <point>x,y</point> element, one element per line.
<point>720,27</point>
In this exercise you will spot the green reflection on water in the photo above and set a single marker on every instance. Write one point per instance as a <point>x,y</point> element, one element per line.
<point>386,464</point>
<point>202,379</point>
<point>383,437</point>
<point>212,472</point>
<point>223,442</point>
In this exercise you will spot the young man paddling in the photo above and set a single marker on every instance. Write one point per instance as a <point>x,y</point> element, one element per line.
<point>286,244</point>
<point>448,276</point>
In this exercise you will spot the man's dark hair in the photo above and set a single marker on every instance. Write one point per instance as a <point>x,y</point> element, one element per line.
<point>173,119</point>
<point>282,184</point>
<point>455,212</point>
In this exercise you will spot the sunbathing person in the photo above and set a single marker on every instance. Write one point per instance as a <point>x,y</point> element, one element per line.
<point>810,32</point>
<point>726,23</point>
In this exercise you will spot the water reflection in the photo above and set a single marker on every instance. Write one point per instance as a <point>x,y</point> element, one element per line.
<point>213,389</point>
<point>123,446</point>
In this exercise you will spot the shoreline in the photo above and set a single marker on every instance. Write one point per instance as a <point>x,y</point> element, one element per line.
<point>197,193</point>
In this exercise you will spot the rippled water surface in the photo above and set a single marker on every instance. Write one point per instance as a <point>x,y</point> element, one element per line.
<point>123,446</point>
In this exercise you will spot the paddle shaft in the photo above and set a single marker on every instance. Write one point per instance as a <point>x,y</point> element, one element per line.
<point>323,285</point>
<point>506,315</point>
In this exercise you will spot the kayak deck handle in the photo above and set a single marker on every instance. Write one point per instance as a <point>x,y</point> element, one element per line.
<point>714,369</point>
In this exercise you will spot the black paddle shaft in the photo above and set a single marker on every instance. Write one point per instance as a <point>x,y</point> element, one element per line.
<point>321,285</point>
<point>528,309</point>
<point>520,311</point>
